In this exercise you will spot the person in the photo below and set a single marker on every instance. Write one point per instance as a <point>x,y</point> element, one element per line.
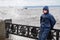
<point>47,22</point>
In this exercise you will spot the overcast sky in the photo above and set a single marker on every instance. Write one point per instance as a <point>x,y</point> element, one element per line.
<point>29,2</point>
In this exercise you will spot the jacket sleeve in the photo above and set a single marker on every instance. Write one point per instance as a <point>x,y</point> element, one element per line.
<point>40,19</point>
<point>52,20</point>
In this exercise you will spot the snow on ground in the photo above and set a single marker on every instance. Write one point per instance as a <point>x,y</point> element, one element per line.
<point>14,37</point>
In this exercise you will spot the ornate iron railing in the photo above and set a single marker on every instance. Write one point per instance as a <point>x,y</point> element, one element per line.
<point>29,31</point>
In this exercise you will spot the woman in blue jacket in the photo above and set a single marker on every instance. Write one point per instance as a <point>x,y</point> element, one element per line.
<point>47,22</point>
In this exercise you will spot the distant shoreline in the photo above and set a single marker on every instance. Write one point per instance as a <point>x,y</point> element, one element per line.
<point>39,6</point>
<point>29,6</point>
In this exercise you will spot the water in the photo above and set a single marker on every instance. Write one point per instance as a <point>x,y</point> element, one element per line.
<point>28,16</point>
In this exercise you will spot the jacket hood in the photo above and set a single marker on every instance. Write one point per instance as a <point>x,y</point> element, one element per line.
<point>46,8</point>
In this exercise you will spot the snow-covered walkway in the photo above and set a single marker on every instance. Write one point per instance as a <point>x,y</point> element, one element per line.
<point>15,37</point>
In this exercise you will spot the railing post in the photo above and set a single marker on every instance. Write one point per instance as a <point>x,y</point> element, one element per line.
<point>7,29</point>
<point>17,29</point>
<point>57,35</point>
<point>7,25</point>
<point>28,31</point>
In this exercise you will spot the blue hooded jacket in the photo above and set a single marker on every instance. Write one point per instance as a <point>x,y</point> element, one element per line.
<point>47,20</point>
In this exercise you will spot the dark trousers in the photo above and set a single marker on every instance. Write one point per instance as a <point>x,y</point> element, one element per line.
<point>43,34</point>
<point>50,36</point>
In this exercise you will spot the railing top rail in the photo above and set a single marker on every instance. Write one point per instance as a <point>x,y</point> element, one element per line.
<point>33,26</point>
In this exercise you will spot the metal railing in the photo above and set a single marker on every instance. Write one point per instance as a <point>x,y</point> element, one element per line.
<point>29,31</point>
